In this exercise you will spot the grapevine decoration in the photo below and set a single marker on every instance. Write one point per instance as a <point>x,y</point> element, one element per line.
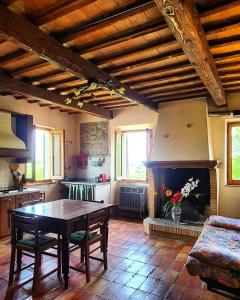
<point>91,86</point>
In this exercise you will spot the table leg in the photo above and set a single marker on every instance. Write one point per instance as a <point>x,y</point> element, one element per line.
<point>65,260</point>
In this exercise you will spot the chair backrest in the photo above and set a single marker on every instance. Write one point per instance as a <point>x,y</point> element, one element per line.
<point>34,202</point>
<point>21,224</point>
<point>97,220</point>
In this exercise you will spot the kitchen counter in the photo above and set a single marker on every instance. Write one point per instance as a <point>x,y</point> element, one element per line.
<point>25,191</point>
<point>67,183</point>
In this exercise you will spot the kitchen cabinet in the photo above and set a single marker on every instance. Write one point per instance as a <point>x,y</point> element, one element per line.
<point>12,201</point>
<point>102,192</point>
<point>7,203</point>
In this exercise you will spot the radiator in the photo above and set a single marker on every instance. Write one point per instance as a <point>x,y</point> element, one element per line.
<point>132,198</point>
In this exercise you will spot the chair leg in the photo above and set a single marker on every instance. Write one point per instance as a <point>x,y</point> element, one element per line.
<point>36,272</point>
<point>82,254</point>
<point>19,260</point>
<point>105,254</point>
<point>12,265</point>
<point>87,265</point>
<point>59,262</point>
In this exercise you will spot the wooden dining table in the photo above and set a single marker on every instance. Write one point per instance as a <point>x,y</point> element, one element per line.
<point>62,217</point>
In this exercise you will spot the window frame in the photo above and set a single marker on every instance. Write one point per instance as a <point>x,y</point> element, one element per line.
<point>148,150</point>
<point>230,180</point>
<point>52,178</point>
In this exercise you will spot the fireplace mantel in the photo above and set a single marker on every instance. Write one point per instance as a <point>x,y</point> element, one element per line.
<point>206,164</point>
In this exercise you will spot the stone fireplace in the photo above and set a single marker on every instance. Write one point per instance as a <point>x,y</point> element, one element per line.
<point>153,224</point>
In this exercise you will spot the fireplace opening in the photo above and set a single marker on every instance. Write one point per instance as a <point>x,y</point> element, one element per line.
<point>195,208</point>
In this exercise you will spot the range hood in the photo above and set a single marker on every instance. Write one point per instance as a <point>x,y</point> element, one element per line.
<point>182,132</point>
<point>7,138</point>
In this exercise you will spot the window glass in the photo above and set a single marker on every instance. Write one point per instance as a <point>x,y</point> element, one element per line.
<point>118,157</point>
<point>236,152</point>
<point>42,154</point>
<point>136,154</point>
<point>49,155</point>
<point>131,152</point>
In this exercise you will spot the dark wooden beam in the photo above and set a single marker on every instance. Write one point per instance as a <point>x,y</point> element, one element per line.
<point>154,73</point>
<point>155,45</point>
<point>124,36</point>
<point>177,54</point>
<point>172,87</point>
<point>100,22</point>
<point>118,106</point>
<point>59,9</point>
<point>183,20</point>
<point>163,82</point>
<point>181,97</point>
<point>28,36</point>
<point>26,89</point>
<point>176,92</point>
<point>219,8</point>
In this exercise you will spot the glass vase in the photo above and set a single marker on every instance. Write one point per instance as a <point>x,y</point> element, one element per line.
<point>176,213</point>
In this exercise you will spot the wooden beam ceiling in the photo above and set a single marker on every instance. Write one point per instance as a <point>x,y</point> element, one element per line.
<point>117,15</point>
<point>16,86</point>
<point>59,9</point>
<point>183,20</point>
<point>28,36</point>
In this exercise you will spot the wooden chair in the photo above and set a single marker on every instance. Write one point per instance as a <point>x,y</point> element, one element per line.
<point>35,244</point>
<point>96,230</point>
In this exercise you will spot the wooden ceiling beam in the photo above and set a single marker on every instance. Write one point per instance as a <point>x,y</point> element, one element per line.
<point>124,36</point>
<point>162,82</point>
<point>31,38</point>
<point>102,104</point>
<point>176,54</point>
<point>181,97</point>
<point>172,86</point>
<point>219,8</point>
<point>29,68</point>
<point>160,72</point>
<point>176,92</point>
<point>124,105</point>
<point>59,9</point>
<point>26,89</point>
<point>229,23</point>
<point>139,50</point>
<point>224,42</point>
<point>121,13</point>
<point>183,20</point>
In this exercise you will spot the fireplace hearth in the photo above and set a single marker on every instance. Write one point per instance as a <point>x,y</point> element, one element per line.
<point>194,210</point>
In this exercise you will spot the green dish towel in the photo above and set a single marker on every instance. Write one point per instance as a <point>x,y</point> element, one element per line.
<point>81,192</point>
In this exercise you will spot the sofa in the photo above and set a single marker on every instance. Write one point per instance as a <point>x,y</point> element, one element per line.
<point>215,257</point>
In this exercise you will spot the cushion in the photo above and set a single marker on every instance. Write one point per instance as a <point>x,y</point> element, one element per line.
<point>30,242</point>
<point>219,247</point>
<point>78,236</point>
<point>230,278</point>
<point>228,223</point>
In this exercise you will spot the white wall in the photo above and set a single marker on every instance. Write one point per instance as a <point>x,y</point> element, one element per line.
<point>229,203</point>
<point>173,139</point>
<point>45,117</point>
<point>123,119</point>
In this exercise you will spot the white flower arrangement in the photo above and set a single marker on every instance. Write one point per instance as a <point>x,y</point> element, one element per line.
<point>189,186</point>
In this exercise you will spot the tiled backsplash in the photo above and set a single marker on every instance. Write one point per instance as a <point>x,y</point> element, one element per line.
<point>5,175</point>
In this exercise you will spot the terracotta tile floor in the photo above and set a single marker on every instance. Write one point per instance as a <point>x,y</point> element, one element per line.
<point>140,267</point>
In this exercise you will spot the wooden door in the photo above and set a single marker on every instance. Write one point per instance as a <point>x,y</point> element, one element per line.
<point>6,203</point>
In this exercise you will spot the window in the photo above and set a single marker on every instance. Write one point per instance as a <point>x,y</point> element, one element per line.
<point>233,153</point>
<point>49,155</point>
<point>132,149</point>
